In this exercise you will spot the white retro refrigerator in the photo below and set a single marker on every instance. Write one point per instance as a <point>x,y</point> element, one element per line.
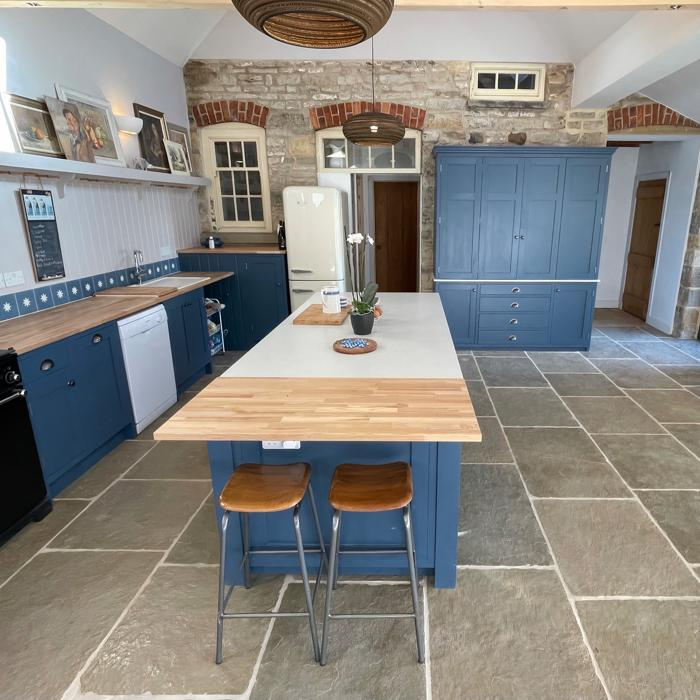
<point>314,223</point>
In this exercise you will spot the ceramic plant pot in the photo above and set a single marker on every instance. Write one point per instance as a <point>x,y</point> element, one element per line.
<point>362,324</point>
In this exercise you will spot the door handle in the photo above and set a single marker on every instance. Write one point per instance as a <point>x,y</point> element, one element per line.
<point>515,290</point>
<point>303,291</point>
<point>12,397</point>
<point>513,321</point>
<point>298,270</point>
<point>46,365</point>
<point>515,305</point>
<point>512,337</point>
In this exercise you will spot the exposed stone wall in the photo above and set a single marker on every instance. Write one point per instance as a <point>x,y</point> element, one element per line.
<point>687,319</point>
<point>290,88</point>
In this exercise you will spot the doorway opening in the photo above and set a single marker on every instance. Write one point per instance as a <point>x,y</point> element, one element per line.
<point>644,243</point>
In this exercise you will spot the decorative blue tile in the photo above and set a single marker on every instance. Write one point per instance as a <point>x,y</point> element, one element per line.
<point>87,285</point>
<point>175,265</point>
<point>44,300</point>
<point>59,293</point>
<point>26,302</point>
<point>111,279</point>
<point>150,269</point>
<point>160,268</point>
<point>99,283</point>
<point>131,276</point>
<point>122,277</point>
<point>75,290</point>
<point>8,307</point>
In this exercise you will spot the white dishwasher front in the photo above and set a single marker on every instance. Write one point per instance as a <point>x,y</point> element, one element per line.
<point>145,345</point>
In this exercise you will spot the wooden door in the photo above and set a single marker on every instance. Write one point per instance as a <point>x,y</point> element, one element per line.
<point>396,236</point>
<point>642,253</point>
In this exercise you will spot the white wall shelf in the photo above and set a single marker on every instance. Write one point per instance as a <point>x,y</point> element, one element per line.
<point>69,170</point>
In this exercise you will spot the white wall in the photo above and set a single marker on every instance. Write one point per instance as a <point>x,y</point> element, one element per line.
<point>621,188</point>
<point>678,160</point>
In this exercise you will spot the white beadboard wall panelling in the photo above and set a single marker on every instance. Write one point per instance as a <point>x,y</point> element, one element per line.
<point>100,224</point>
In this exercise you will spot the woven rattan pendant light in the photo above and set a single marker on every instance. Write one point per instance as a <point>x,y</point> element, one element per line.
<point>373,128</point>
<point>317,24</point>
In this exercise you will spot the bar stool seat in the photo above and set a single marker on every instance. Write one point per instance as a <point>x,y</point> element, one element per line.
<point>263,488</point>
<point>368,488</point>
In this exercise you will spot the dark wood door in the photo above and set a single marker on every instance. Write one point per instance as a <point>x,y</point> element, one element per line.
<point>396,236</point>
<point>642,253</point>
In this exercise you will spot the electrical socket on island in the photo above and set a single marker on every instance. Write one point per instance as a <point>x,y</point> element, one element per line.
<point>281,445</point>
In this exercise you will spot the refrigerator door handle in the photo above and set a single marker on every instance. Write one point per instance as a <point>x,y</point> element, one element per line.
<point>296,270</point>
<point>302,291</point>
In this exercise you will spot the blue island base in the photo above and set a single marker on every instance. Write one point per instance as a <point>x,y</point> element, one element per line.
<point>435,508</point>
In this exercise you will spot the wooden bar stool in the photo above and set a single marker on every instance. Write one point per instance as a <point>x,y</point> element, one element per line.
<point>362,488</point>
<point>261,488</point>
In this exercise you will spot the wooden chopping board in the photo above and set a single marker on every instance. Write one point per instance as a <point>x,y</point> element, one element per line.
<point>138,291</point>
<point>314,316</point>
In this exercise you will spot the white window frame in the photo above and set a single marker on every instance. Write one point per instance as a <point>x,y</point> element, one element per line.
<point>504,95</point>
<point>337,133</point>
<point>234,131</point>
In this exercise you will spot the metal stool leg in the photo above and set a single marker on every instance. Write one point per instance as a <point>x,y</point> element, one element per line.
<point>324,559</point>
<point>336,561</point>
<point>222,591</point>
<point>410,552</point>
<point>245,531</point>
<point>330,586</point>
<point>305,579</point>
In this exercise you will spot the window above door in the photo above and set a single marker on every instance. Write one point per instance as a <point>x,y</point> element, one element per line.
<point>506,82</point>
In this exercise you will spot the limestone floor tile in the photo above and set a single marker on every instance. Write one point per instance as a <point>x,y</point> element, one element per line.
<point>694,389</point>
<point>604,347</point>
<point>582,385</point>
<point>651,461</point>
<point>647,649</point>
<point>366,658</point>
<point>469,368</point>
<point>686,375</point>
<point>628,334</point>
<point>678,514</point>
<point>671,406</point>
<point>493,448</point>
<point>135,515</point>
<point>658,353</point>
<point>607,548</point>
<point>634,374</point>
<point>199,543</point>
<point>510,371</point>
<point>497,525</point>
<point>507,635</point>
<point>563,462</point>
<point>690,347</point>
<point>109,468</point>
<point>480,399</point>
<point>173,460</point>
<point>521,407</point>
<point>166,643</point>
<point>688,434</point>
<point>612,414</point>
<point>147,433</point>
<point>28,541</point>
<point>562,362</point>
<point>56,611</point>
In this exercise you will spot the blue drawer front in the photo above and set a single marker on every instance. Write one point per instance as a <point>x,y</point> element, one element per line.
<point>514,338</point>
<point>516,288</point>
<point>54,357</point>
<point>513,322</point>
<point>511,305</point>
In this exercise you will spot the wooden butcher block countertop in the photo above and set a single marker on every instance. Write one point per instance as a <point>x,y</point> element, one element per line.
<point>240,248</point>
<point>36,330</point>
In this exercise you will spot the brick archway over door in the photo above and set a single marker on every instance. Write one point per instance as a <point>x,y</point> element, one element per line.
<point>223,111</point>
<point>337,114</point>
<point>647,114</point>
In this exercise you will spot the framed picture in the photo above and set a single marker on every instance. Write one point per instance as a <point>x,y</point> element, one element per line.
<point>153,133</point>
<point>70,130</point>
<point>99,125</point>
<point>181,135</point>
<point>177,158</point>
<point>31,126</point>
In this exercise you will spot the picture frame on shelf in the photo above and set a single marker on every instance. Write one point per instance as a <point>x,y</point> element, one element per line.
<point>152,136</point>
<point>31,126</point>
<point>177,157</point>
<point>70,130</point>
<point>181,135</point>
<point>99,124</point>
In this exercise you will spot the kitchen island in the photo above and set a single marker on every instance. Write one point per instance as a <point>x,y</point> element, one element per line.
<point>406,401</point>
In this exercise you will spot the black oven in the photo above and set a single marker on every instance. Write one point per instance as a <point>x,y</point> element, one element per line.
<point>23,495</point>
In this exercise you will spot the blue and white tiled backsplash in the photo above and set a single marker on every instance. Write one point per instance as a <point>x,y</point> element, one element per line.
<point>48,296</point>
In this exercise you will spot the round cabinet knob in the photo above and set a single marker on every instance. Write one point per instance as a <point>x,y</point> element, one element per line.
<point>12,377</point>
<point>97,338</point>
<point>513,321</point>
<point>512,338</point>
<point>515,305</point>
<point>71,382</point>
<point>515,290</point>
<point>557,289</point>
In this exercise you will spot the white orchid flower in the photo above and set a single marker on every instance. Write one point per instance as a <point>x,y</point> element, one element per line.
<point>355,238</point>
<point>370,240</point>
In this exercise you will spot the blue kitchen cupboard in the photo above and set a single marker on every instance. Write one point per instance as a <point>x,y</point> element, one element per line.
<point>529,216</point>
<point>256,297</point>
<point>78,400</point>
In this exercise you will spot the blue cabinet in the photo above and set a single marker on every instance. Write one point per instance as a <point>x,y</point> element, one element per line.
<point>572,315</point>
<point>459,303</point>
<point>79,401</point>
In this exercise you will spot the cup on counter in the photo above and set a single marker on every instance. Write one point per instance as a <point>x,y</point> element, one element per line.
<point>330,296</point>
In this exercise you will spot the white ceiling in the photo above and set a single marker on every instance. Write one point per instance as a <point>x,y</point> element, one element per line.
<point>680,90</point>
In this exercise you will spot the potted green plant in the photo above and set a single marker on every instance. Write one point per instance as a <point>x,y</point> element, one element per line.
<point>364,296</point>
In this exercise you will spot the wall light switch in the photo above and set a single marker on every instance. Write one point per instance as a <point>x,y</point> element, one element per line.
<point>281,445</point>
<point>12,279</point>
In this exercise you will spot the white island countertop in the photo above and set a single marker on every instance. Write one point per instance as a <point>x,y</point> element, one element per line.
<point>413,341</point>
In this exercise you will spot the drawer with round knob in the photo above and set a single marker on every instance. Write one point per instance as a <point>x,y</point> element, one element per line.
<point>513,305</point>
<point>517,289</point>
<point>514,338</point>
<point>529,321</point>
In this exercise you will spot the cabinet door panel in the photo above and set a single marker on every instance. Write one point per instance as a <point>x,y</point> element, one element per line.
<point>459,184</point>
<point>196,334</point>
<point>572,312</point>
<point>542,195</point>
<point>500,217</point>
<point>459,303</point>
<point>582,217</point>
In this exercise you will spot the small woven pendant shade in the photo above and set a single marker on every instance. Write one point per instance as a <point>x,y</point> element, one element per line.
<point>374,129</point>
<point>317,24</point>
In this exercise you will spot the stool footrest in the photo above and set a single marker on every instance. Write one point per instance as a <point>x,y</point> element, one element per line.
<point>372,551</point>
<point>370,616</point>
<point>255,616</point>
<point>284,551</point>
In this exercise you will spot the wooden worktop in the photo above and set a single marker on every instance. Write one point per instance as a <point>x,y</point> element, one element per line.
<point>242,248</point>
<point>327,409</point>
<point>35,330</point>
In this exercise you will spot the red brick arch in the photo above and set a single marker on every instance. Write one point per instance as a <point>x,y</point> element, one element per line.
<point>222,111</point>
<point>336,114</point>
<point>646,114</point>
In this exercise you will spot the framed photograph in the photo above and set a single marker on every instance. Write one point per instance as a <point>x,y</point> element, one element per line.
<point>181,135</point>
<point>70,130</point>
<point>31,126</point>
<point>154,132</point>
<point>99,125</point>
<point>177,158</point>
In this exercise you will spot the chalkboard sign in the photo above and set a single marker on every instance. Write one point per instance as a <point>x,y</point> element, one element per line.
<point>40,217</point>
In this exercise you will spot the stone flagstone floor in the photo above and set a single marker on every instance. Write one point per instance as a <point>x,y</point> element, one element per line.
<point>579,558</point>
